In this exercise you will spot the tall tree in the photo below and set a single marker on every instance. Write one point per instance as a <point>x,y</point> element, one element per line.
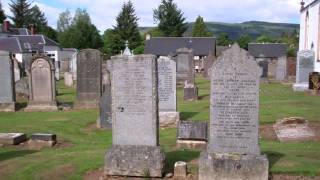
<point>243,41</point>
<point>64,21</point>
<point>21,13</point>
<point>224,40</point>
<point>110,39</point>
<point>2,14</point>
<point>170,19</point>
<point>199,28</point>
<point>38,19</point>
<point>81,33</point>
<point>127,26</point>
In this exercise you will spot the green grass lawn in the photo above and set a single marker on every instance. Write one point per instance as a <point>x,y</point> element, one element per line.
<point>85,146</point>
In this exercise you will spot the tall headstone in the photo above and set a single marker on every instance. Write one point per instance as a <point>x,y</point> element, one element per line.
<point>89,82</point>
<point>233,151</point>
<point>42,85</point>
<point>135,149</point>
<point>167,92</point>
<point>305,65</point>
<point>7,91</point>
<point>281,69</point>
<point>104,120</point>
<point>16,70</point>
<point>208,61</point>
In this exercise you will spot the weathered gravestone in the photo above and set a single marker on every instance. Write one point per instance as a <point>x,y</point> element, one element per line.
<point>68,79</point>
<point>7,92</point>
<point>16,70</point>
<point>264,65</point>
<point>186,74</point>
<point>281,69</point>
<point>305,65</point>
<point>89,82</point>
<point>12,138</point>
<point>192,135</point>
<point>208,61</point>
<point>135,124</point>
<point>42,85</point>
<point>104,120</point>
<point>233,151</point>
<point>167,92</point>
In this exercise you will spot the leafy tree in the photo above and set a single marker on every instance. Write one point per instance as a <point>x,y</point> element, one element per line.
<point>81,33</point>
<point>243,41</point>
<point>292,40</point>
<point>154,32</point>
<point>110,37</point>
<point>2,14</point>
<point>199,28</point>
<point>21,13</point>
<point>224,40</point>
<point>264,39</point>
<point>64,21</point>
<point>170,19</point>
<point>50,33</point>
<point>127,27</point>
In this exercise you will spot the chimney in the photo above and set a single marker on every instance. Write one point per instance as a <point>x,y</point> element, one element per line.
<point>6,26</point>
<point>33,29</point>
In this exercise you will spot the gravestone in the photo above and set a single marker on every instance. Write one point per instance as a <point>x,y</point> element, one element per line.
<point>208,61</point>
<point>12,138</point>
<point>185,66</point>
<point>104,120</point>
<point>68,79</point>
<point>192,135</point>
<point>167,92</point>
<point>135,149</point>
<point>264,65</point>
<point>305,65</point>
<point>233,151</point>
<point>89,82</point>
<point>281,69</point>
<point>42,85</point>
<point>16,70</point>
<point>39,140</point>
<point>7,91</point>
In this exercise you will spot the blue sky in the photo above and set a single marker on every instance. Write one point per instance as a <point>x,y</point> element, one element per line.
<point>103,12</point>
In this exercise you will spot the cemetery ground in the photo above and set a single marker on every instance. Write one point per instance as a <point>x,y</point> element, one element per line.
<point>81,146</point>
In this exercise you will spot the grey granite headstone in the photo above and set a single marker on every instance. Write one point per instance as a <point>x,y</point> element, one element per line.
<point>104,120</point>
<point>167,92</point>
<point>42,85</point>
<point>7,92</point>
<point>89,82</point>
<point>234,114</point>
<point>135,124</point>
<point>208,61</point>
<point>192,131</point>
<point>281,70</point>
<point>305,65</point>
<point>185,66</point>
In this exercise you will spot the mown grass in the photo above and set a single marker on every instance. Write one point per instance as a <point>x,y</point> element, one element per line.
<point>85,145</point>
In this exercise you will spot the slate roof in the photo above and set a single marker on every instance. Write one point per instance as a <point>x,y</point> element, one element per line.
<point>163,46</point>
<point>267,50</point>
<point>11,45</point>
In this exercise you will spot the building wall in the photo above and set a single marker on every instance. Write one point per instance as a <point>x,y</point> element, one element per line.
<point>310,35</point>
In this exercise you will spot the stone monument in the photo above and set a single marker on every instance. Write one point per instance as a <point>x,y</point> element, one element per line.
<point>104,120</point>
<point>135,125</point>
<point>42,85</point>
<point>281,69</point>
<point>208,61</point>
<point>167,92</point>
<point>233,151</point>
<point>89,82</point>
<point>305,65</point>
<point>7,88</point>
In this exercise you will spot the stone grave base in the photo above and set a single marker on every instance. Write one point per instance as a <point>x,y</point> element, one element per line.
<point>103,125</point>
<point>169,119</point>
<point>300,87</point>
<point>190,93</point>
<point>232,167</point>
<point>39,144</point>
<point>191,144</point>
<point>86,105</point>
<point>42,107</point>
<point>7,107</point>
<point>12,138</point>
<point>135,161</point>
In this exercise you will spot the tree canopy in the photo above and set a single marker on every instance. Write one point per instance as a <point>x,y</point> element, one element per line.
<point>2,14</point>
<point>21,13</point>
<point>199,28</point>
<point>170,19</point>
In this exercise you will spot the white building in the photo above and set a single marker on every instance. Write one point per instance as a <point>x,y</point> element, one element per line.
<point>310,29</point>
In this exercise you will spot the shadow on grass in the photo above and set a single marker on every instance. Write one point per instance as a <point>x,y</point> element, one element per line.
<point>21,105</point>
<point>15,154</point>
<point>203,96</point>
<point>188,115</point>
<point>179,155</point>
<point>273,157</point>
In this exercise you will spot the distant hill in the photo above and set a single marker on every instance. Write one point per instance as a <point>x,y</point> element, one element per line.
<point>251,28</point>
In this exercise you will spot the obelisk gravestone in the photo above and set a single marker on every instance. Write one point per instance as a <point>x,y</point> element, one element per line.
<point>135,149</point>
<point>233,151</point>
<point>7,92</point>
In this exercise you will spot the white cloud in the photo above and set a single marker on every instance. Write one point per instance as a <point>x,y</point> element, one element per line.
<point>103,12</point>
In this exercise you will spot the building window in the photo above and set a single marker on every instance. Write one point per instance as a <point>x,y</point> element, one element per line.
<point>306,31</point>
